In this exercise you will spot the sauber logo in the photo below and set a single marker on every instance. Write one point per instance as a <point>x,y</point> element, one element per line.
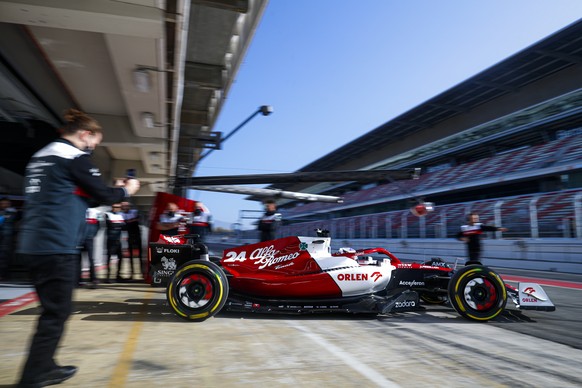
<point>263,257</point>
<point>357,277</point>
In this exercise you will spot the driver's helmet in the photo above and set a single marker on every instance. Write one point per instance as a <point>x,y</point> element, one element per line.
<point>343,250</point>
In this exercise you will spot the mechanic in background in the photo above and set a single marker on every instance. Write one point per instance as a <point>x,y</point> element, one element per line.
<point>200,222</point>
<point>471,234</point>
<point>115,224</point>
<point>61,180</point>
<point>91,229</point>
<point>270,221</point>
<point>170,220</point>
<point>8,218</point>
<point>131,218</point>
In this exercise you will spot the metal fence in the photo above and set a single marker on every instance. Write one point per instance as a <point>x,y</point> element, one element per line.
<point>556,214</point>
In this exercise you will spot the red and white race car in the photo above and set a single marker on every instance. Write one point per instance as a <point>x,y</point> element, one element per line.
<point>302,275</point>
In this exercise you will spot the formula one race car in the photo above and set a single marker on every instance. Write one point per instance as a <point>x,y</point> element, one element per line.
<point>301,275</point>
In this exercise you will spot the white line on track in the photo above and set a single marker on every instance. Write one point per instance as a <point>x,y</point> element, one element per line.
<point>350,361</point>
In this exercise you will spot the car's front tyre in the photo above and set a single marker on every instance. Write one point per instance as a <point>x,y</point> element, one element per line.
<point>477,293</point>
<point>198,290</point>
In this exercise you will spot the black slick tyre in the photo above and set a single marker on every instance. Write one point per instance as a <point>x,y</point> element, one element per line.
<point>477,293</point>
<point>197,291</point>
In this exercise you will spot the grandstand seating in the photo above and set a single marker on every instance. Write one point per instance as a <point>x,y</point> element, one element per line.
<point>552,209</point>
<point>558,152</point>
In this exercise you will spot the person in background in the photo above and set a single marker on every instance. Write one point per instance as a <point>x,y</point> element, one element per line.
<point>60,182</point>
<point>115,224</point>
<point>200,222</point>
<point>8,218</point>
<point>131,218</point>
<point>170,220</point>
<point>91,229</point>
<point>471,234</point>
<point>270,221</point>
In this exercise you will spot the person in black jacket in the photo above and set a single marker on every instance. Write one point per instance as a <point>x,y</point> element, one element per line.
<point>91,230</point>
<point>170,220</point>
<point>471,234</point>
<point>60,182</point>
<point>200,222</point>
<point>131,218</point>
<point>9,217</point>
<point>270,221</point>
<point>115,224</point>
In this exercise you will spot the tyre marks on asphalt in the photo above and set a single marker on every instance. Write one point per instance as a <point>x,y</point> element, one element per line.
<point>371,374</point>
<point>486,353</point>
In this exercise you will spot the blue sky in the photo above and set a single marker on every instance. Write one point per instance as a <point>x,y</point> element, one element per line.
<point>334,70</point>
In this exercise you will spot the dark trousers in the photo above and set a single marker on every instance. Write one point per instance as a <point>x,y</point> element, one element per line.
<point>474,254</point>
<point>4,262</point>
<point>267,235</point>
<point>54,278</point>
<point>114,248</point>
<point>134,242</point>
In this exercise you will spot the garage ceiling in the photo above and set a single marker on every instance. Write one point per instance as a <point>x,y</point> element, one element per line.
<point>154,74</point>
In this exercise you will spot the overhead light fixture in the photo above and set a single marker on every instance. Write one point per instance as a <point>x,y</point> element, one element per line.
<point>148,119</point>
<point>155,156</point>
<point>141,79</point>
<point>266,109</point>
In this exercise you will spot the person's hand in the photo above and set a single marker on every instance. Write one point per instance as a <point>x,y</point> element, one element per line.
<point>132,186</point>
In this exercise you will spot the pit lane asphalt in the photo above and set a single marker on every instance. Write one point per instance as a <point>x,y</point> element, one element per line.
<point>124,335</point>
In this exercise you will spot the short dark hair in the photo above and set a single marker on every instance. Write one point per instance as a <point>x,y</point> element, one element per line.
<point>76,120</point>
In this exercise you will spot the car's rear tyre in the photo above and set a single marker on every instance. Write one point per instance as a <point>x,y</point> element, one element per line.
<point>477,293</point>
<point>197,291</point>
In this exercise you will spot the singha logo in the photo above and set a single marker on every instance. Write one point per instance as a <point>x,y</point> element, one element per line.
<point>168,264</point>
<point>159,249</point>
